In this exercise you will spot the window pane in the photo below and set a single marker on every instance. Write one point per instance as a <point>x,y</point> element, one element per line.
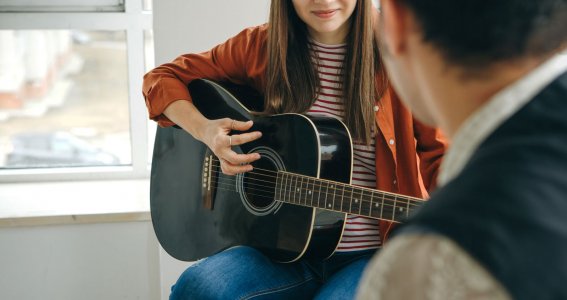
<point>63,99</point>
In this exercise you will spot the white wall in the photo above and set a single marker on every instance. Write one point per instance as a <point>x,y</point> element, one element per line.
<point>80,261</point>
<point>183,26</point>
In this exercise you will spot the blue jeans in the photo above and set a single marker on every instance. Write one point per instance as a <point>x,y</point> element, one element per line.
<point>245,273</point>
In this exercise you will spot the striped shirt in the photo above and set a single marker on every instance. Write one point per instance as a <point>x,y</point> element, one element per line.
<point>360,233</point>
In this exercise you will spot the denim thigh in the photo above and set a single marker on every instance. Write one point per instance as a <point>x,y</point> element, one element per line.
<point>245,273</point>
<point>342,284</point>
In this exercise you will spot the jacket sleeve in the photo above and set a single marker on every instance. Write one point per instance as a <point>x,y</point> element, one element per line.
<point>430,146</point>
<point>225,62</point>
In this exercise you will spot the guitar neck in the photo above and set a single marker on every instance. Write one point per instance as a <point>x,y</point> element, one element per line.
<point>335,196</point>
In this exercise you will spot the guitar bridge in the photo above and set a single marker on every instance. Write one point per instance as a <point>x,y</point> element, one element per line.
<point>209,179</point>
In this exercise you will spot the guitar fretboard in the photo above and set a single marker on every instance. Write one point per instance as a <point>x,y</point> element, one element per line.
<point>325,194</point>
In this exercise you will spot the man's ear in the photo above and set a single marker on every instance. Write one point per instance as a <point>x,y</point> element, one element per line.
<point>394,25</point>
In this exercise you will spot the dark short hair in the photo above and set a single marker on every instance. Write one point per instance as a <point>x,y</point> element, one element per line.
<point>474,33</point>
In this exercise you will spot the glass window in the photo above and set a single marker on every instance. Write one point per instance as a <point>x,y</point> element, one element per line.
<point>71,106</point>
<point>64,98</point>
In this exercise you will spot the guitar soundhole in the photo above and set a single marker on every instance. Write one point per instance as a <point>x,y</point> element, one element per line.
<point>257,187</point>
<point>259,184</point>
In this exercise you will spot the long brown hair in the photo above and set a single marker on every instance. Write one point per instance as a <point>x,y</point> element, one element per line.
<point>292,80</point>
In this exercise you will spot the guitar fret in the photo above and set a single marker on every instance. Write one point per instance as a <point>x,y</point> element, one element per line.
<point>323,194</point>
<point>402,210</point>
<point>278,193</point>
<point>289,187</point>
<point>293,187</point>
<point>317,192</point>
<point>328,206</point>
<point>382,207</point>
<point>311,191</point>
<point>320,202</point>
<point>357,199</point>
<point>283,188</point>
<point>336,202</point>
<point>351,206</point>
<point>371,204</point>
<point>342,198</point>
<point>285,192</point>
<point>299,189</point>
<point>361,200</point>
<point>346,200</point>
<point>394,210</point>
<point>304,190</point>
<point>351,200</point>
<point>375,206</point>
<point>307,192</point>
<point>388,208</point>
<point>330,191</point>
<point>366,203</point>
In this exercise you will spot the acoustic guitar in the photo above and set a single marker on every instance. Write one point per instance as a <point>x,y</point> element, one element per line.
<point>294,203</point>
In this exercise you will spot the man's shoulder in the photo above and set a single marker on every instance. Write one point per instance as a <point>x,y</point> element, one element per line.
<point>538,131</point>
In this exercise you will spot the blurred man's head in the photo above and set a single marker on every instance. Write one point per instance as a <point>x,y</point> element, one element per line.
<point>468,39</point>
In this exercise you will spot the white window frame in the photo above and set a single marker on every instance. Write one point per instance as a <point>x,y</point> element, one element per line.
<point>134,20</point>
<point>61,5</point>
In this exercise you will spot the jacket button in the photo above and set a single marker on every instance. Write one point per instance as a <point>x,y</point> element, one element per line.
<point>391,141</point>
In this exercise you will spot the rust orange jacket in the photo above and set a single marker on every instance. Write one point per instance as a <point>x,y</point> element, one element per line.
<point>408,153</point>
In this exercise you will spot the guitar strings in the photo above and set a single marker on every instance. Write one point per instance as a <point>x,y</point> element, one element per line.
<point>269,188</point>
<point>393,197</point>
<point>332,208</point>
<point>398,196</point>
<point>398,202</point>
<point>230,184</point>
<point>363,202</point>
<point>403,200</point>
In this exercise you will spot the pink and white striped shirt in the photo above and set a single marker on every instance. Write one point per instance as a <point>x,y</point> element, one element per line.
<point>360,233</point>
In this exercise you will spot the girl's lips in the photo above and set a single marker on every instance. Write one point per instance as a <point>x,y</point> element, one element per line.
<point>325,13</point>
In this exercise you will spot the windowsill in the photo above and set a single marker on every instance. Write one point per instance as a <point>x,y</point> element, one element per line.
<point>74,202</point>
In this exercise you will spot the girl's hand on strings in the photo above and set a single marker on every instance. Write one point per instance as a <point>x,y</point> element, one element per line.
<point>219,136</point>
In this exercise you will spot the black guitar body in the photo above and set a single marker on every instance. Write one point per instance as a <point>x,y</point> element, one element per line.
<point>188,229</point>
